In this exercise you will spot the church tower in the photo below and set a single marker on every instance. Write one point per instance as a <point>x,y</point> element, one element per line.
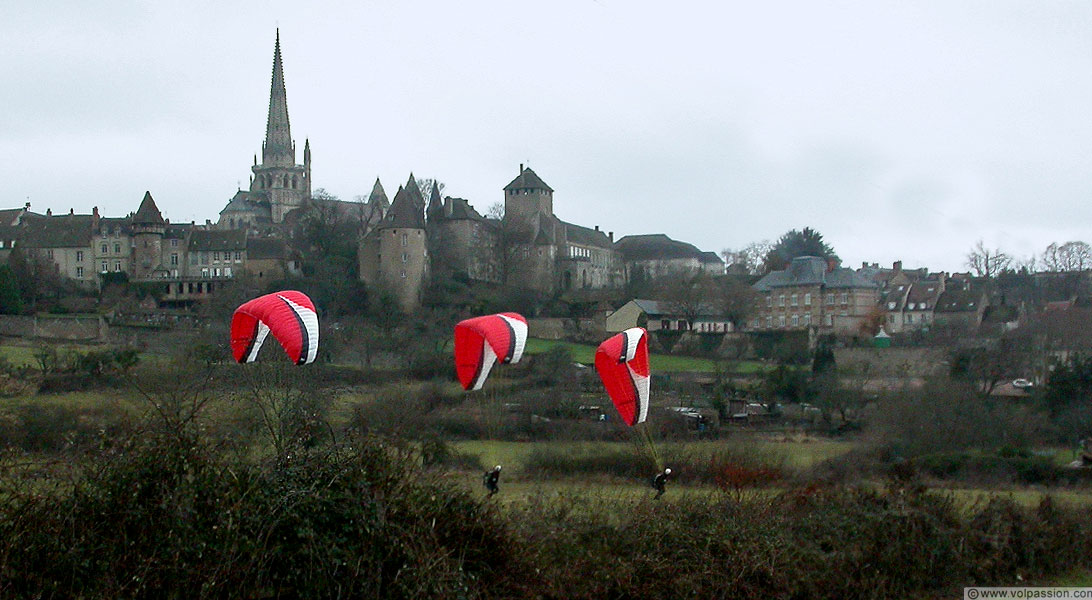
<point>278,180</point>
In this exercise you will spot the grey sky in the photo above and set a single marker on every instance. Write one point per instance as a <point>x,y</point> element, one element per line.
<point>898,130</point>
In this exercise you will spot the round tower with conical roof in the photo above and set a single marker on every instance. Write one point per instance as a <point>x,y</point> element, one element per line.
<point>148,227</point>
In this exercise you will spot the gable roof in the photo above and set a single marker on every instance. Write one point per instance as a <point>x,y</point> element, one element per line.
<point>11,216</point>
<point>461,209</point>
<point>588,237</point>
<point>265,248</point>
<point>960,301</point>
<point>527,179</point>
<point>664,308</point>
<point>63,231</point>
<point>217,240</point>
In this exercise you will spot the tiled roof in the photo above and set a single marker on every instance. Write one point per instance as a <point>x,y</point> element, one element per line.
<point>10,216</point>
<point>217,240</point>
<point>527,179</point>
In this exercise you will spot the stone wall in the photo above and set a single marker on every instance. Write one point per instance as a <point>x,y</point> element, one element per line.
<point>55,327</point>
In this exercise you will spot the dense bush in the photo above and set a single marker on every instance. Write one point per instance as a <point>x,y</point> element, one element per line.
<point>165,516</point>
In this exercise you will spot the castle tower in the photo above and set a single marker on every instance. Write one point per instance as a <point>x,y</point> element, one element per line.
<point>403,250</point>
<point>278,180</point>
<point>526,196</point>
<point>148,228</point>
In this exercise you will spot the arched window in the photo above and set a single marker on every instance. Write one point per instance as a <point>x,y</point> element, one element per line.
<point>294,182</point>
<point>286,181</point>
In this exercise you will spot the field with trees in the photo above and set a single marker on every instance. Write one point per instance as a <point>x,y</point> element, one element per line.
<point>166,470</point>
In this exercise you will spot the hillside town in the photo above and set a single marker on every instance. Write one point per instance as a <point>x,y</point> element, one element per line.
<point>403,245</point>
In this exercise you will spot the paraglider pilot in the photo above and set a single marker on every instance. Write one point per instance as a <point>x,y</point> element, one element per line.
<point>490,480</point>
<point>659,481</point>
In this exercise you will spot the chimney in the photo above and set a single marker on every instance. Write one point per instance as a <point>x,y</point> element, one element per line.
<point>95,217</point>
<point>864,264</point>
<point>597,228</point>
<point>831,264</point>
<point>26,206</point>
<point>521,168</point>
<point>897,265</point>
<point>611,235</point>
<point>71,211</point>
<point>49,212</point>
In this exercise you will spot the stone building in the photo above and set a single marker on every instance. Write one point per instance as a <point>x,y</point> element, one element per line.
<point>655,255</point>
<point>815,293</point>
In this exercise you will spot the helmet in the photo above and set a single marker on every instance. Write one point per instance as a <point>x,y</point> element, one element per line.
<point>667,471</point>
<point>496,468</point>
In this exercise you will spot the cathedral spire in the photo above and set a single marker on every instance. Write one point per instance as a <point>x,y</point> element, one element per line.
<point>278,148</point>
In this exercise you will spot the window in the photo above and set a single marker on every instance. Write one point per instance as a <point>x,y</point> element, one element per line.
<point>238,257</point>
<point>403,274</point>
<point>796,320</point>
<point>769,300</point>
<point>117,266</point>
<point>830,320</point>
<point>117,248</point>
<point>174,243</point>
<point>781,300</point>
<point>105,249</point>
<point>807,299</point>
<point>79,256</point>
<point>227,271</point>
<point>79,272</point>
<point>665,324</point>
<point>174,258</point>
<point>910,319</point>
<point>216,271</point>
<point>404,257</point>
<point>104,267</point>
<point>807,318</point>
<point>845,297</point>
<point>204,273</point>
<point>796,299</point>
<point>405,239</point>
<point>769,322</point>
<point>830,299</point>
<point>781,320</point>
<point>174,273</point>
<point>216,257</point>
<point>682,325</point>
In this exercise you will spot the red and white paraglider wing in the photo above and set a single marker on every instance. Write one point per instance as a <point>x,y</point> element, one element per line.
<point>289,315</point>
<point>482,341</point>
<point>622,364</point>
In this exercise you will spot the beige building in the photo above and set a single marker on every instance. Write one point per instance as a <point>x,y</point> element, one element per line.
<point>815,293</point>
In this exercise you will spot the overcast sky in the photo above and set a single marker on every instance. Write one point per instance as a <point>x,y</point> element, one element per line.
<point>899,130</point>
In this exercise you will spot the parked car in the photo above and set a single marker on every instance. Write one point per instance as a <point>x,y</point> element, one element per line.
<point>1022,384</point>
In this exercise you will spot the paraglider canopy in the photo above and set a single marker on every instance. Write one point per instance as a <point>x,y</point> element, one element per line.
<point>289,315</point>
<point>482,341</point>
<point>622,364</point>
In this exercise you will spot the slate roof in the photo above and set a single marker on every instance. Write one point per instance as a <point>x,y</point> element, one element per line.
<point>959,301</point>
<point>265,248</point>
<point>461,210</point>
<point>660,307</point>
<point>378,196</point>
<point>148,213</point>
<point>527,179</point>
<point>812,270</point>
<point>10,216</point>
<point>711,258</point>
<point>64,231</point>
<point>656,246</point>
<point>110,225</point>
<point>404,213</point>
<point>585,236</point>
<point>202,240</point>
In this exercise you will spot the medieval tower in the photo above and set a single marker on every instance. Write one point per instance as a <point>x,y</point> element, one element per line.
<point>278,180</point>
<point>148,230</point>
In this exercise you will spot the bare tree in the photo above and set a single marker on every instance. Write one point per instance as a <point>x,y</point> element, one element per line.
<point>687,294</point>
<point>1074,256</point>
<point>749,258</point>
<point>986,262</point>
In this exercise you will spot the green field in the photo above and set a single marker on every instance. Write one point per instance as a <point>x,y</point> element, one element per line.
<point>585,354</point>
